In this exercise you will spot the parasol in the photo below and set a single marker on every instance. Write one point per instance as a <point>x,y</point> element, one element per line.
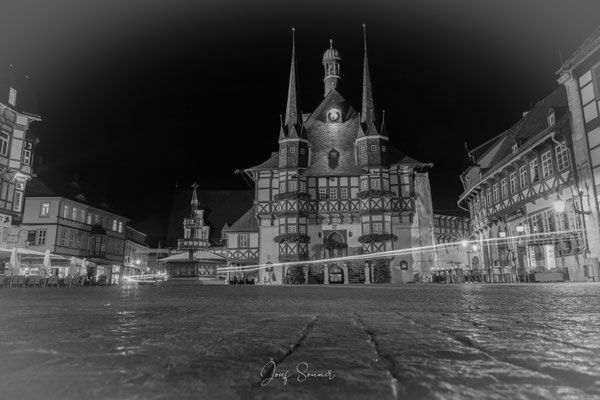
<point>14,262</point>
<point>47,265</point>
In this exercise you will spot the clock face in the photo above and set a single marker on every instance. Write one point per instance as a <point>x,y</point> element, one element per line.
<point>334,115</point>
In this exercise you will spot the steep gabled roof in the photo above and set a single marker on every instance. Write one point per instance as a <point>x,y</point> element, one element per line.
<point>271,163</point>
<point>246,223</point>
<point>498,148</point>
<point>395,156</point>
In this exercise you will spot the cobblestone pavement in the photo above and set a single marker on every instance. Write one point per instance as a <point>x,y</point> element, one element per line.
<point>472,341</point>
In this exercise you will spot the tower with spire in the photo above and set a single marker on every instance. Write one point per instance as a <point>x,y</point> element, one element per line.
<point>372,139</point>
<point>337,187</point>
<point>195,233</point>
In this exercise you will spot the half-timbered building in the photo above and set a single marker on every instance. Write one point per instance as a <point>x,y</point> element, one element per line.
<point>337,187</point>
<point>580,75</point>
<point>17,145</point>
<point>525,212</point>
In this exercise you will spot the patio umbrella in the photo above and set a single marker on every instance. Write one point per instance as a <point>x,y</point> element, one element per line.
<point>14,262</point>
<point>46,263</point>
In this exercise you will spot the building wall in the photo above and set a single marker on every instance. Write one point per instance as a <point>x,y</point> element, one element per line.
<point>583,89</point>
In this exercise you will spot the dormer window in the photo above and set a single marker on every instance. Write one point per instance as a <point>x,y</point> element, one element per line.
<point>515,148</point>
<point>551,117</point>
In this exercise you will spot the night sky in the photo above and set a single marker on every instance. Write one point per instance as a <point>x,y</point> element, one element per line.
<point>146,96</point>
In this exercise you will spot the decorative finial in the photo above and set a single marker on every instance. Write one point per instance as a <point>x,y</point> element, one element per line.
<point>365,34</point>
<point>281,119</point>
<point>331,43</point>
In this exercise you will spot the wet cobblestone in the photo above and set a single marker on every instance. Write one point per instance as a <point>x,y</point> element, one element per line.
<point>529,341</point>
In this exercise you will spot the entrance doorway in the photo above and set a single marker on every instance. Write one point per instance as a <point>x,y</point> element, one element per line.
<point>336,274</point>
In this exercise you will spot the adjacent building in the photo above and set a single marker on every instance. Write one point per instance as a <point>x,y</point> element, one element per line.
<point>70,223</point>
<point>335,187</point>
<point>135,259</point>
<point>17,146</point>
<point>521,190</point>
<point>451,234</point>
<point>580,77</point>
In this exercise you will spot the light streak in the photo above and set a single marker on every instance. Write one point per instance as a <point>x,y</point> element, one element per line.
<point>531,238</point>
<point>145,278</point>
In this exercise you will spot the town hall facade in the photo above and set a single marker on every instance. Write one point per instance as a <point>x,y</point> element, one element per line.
<point>335,188</point>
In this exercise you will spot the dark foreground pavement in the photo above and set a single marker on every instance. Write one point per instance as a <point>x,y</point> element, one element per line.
<point>529,341</point>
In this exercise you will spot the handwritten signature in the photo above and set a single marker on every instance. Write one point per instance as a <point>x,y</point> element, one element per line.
<point>269,373</point>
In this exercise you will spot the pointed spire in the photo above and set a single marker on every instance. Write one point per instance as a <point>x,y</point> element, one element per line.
<point>368,105</point>
<point>292,109</point>
<point>281,128</point>
<point>194,199</point>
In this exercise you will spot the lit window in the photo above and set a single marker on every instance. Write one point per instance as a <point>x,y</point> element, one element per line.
<point>89,219</point>
<point>293,186</point>
<point>18,201</point>
<point>65,211</point>
<point>373,147</point>
<point>523,176</point>
<point>292,150</point>
<point>45,210</point>
<point>74,213</point>
<point>489,196</point>
<point>515,148</point>
<point>551,119</point>
<point>4,135</point>
<point>364,184</point>
<point>534,171</point>
<point>363,148</point>
<point>322,193</point>
<point>333,193</point>
<point>377,227</point>
<point>27,153</point>
<point>344,193</point>
<point>388,227</point>
<point>504,187</point>
<point>365,229</point>
<point>114,227</point>
<point>375,184</point>
<point>291,229</point>
<point>496,192</point>
<point>547,169</point>
<point>513,182</point>
<point>562,156</point>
